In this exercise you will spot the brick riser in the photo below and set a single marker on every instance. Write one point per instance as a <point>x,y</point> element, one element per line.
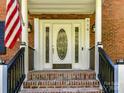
<point>61,84</point>
<point>61,75</point>
<point>63,90</point>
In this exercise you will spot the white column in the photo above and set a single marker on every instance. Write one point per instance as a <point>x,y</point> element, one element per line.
<point>98,32</point>
<point>24,12</point>
<point>119,78</point>
<point>37,40</point>
<point>116,79</point>
<point>98,21</point>
<point>3,78</point>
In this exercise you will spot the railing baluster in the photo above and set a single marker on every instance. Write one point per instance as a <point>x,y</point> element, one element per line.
<point>23,64</point>
<point>12,79</point>
<point>9,80</point>
<point>14,72</point>
<point>19,67</point>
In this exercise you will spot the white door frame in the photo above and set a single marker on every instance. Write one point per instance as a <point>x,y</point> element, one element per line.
<point>39,48</point>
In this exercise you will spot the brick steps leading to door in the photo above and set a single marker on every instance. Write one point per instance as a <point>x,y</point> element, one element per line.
<point>61,81</point>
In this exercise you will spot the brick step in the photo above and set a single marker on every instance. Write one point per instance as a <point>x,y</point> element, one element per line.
<point>62,90</point>
<point>61,84</point>
<point>61,75</point>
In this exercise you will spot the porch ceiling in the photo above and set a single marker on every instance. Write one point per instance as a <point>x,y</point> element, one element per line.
<point>61,6</point>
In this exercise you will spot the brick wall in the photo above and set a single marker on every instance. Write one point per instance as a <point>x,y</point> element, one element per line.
<point>2,9</point>
<point>113,28</point>
<point>92,33</point>
<point>31,34</point>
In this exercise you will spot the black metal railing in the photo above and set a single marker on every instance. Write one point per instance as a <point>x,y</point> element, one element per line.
<point>15,72</point>
<point>106,72</point>
<point>92,58</point>
<point>31,58</point>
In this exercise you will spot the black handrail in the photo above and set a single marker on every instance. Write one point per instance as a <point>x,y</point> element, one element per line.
<point>92,47</point>
<point>106,72</point>
<point>31,48</point>
<point>92,58</point>
<point>31,58</point>
<point>15,72</point>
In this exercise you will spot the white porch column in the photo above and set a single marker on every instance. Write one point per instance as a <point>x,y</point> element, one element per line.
<point>3,78</point>
<point>119,78</point>
<point>98,32</point>
<point>24,9</point>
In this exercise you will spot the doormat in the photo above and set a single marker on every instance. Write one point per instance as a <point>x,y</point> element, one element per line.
<point>62,66</point>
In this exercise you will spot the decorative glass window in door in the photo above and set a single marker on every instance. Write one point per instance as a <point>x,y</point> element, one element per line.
<point>62,44</point>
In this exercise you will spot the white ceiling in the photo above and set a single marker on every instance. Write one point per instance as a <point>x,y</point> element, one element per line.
<point>61,6</point>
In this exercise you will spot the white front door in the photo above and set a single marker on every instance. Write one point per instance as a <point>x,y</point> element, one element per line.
<point>63,44</point>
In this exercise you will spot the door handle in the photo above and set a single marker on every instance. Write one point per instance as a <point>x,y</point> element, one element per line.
<point>53,50</point>
<point>82,48</point>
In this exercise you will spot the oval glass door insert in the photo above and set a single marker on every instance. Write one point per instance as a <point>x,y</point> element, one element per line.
<point>62,44</point>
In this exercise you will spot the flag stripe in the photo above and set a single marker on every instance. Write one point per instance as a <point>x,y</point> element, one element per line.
<point>16,37</point>
<point>13,26</point>
<point>10,11</point>
<point>11,16</point>
<point>9,6</point>
<point>7,1</point>
<point>11,31</point>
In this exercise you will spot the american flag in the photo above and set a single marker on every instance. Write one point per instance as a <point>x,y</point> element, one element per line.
<point>13,24</point>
